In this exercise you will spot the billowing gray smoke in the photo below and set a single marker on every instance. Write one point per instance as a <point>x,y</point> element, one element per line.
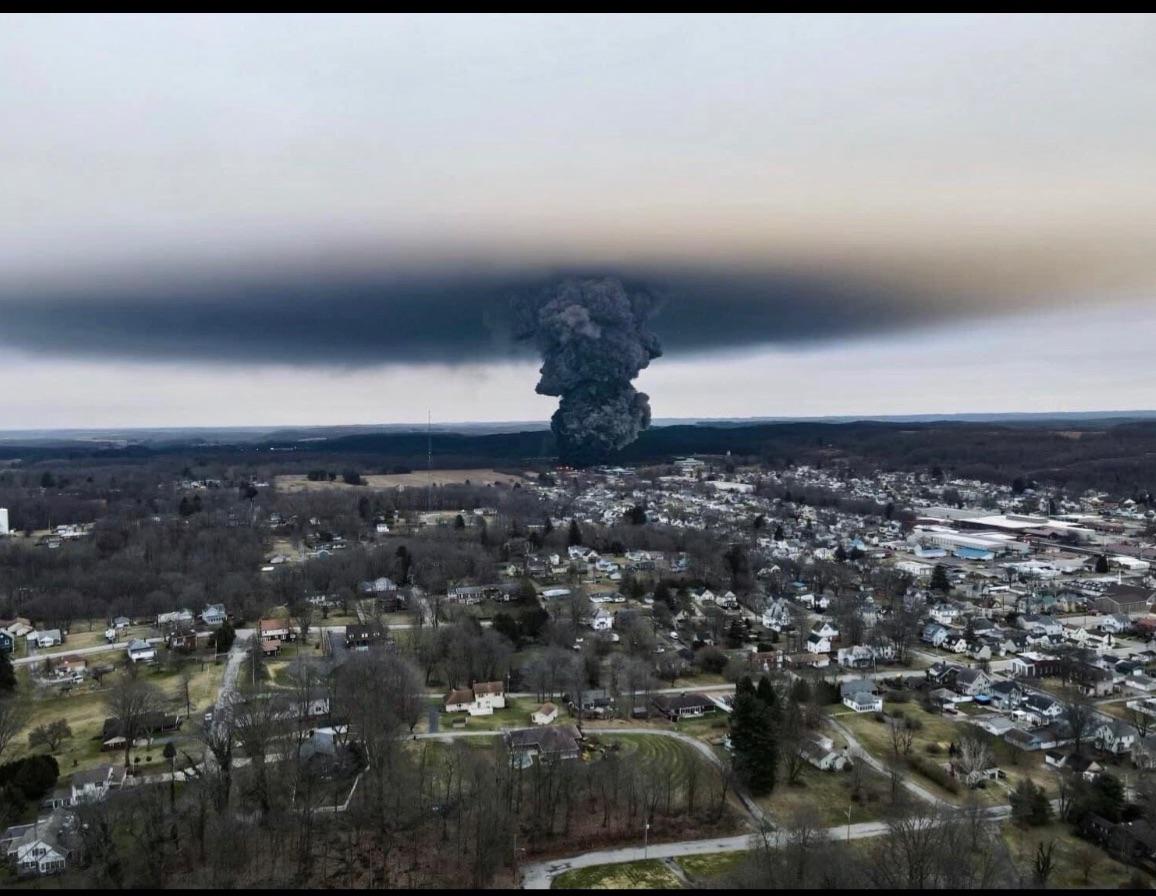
<point>594,339</point>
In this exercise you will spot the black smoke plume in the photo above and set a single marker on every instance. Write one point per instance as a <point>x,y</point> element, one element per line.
<point>594,339</point>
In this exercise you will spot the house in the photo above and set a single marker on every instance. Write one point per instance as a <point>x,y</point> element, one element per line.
<point>39,849</point>
<point>777,615</point>
<point>176,617</point>
<point>480,700</point>
<point>944,614</point>
<point>73,668</point>
<point>120,623</point>
<point>361,636</point>
<point>827,630</point>
<point>274,629</point>
<point>1115,623</point>
<point>934,634</point>
<point>858,657</point>
<point>1040,624</point>
<point>1044,738</point>
<point>596,702</point>
<point>112,734</point>
<point>684,706</point>
<point>864,701</point>
<point>270,647</point>
<point>1084,766</point>
<point>383,585</point>
<point>141,651</point>
<point>545,714</point>
<point>1124,599</point>
<point>1034,665</point>
<point>93,785</point>
<point>550,742</point>
<point>214,614</point>
<point>459,700</point>
<point>859,695</point>
<point>816,643</point>
<point>820,752</point>
<point>7,642</point>
<point>972,682</point>
<point>50,638</point>
<point>1042,708</point>
<point>602,621</point>
<point>807,660</point>
<point>1114,736</point>
<point>1005,695</point>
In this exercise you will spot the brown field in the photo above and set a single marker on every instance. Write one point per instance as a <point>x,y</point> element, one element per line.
<point>417,479</point>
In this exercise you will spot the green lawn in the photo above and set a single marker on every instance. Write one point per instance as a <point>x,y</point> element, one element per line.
<point>85,711</point>
<point>515,715</point>
<point>830,793</point>
<point>711,865</point>
<point>650,874</point>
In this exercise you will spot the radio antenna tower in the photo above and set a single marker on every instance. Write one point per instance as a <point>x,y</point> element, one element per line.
<point>429,462</point>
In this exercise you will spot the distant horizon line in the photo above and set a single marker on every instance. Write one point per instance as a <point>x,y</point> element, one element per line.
<point>927,417</point>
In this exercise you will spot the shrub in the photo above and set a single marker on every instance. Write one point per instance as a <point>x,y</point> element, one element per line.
<point>32,777</point>
<point>934,772</point>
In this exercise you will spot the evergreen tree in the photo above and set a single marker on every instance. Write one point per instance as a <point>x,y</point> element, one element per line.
<point>7,674</point>
<point>1101,564</point>
<point>753,724</point>
<point>575,533</point>
<point>939,580</point>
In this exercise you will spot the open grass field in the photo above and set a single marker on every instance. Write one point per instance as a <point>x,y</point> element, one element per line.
<point>651,874</point>
<point>701,869</point>
<point>85,711</point>
<point>418,479</point>
<point>937,732</point>
<point>829,793</point>
<point>673,754</point>
<point>515,715</point>
<point>1073,857</point>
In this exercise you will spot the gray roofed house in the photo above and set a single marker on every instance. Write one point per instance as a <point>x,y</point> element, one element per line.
<point>549,742</point>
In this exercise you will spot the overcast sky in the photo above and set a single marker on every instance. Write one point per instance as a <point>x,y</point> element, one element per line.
<point>290,220</point>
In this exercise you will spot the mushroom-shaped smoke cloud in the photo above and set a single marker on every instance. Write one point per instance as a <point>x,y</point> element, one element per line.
<point>594,339</point>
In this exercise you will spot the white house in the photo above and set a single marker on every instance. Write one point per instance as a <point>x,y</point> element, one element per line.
<point>602,621</point>
<point>864,701</point>
<point>93,785</point>
<point>820,752</point>
<point>545,714</point>
<point>1115,623</point>
<point>816,643</point>
<point>481,700</point>
<point>141,651</point>
<point>37,849</point>
<point>777,615</point>
<point>1115,737</point>
<point>49,638</point>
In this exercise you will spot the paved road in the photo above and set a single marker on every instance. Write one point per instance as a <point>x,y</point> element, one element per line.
<point>540,875</point>
<point>225,696</point>
<point>41,656</point>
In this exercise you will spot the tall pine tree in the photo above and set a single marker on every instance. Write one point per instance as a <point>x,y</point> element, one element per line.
<point>754,723</point>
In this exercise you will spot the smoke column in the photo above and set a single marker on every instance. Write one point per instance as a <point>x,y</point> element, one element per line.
<point>593,338</point>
